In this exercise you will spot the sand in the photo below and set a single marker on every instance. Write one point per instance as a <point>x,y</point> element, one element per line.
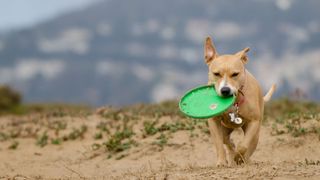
<point>185,155</point>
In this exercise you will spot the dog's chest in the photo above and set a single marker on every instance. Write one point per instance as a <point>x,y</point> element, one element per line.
<point>232,118</point>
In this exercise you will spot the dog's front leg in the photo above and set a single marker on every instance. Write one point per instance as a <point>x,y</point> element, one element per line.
<point>251,136</point>
<point>217,133</point>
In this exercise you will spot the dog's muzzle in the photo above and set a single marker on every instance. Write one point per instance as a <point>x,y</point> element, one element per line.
<point>226,91</point>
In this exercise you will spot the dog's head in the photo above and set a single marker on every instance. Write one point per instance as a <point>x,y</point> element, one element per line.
<point>226,72</point>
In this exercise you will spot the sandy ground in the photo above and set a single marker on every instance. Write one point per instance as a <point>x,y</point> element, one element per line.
<point>184,157</point>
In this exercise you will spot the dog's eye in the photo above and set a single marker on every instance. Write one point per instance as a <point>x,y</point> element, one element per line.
<point>217,74</point>
<point>234,74</point>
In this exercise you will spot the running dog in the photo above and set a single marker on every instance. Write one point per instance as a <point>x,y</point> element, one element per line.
<point>230,78</point>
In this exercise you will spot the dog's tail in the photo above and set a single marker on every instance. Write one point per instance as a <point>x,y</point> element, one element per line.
<point>268,96</point>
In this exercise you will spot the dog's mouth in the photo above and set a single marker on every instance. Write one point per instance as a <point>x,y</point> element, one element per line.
<point>226,96</point>
<point>227,92</point>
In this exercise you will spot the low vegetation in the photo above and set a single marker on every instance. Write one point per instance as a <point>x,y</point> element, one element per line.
<point>121,129</point>
<point>297,118</point>
<point>10,100</point>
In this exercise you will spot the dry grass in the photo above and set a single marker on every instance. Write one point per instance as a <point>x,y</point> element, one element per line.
<point>115,131</point>
<point>142,133</point>
<point>294,117</point>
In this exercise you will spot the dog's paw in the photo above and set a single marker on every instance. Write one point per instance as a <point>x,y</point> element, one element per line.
<point>239,158</point>
<point>232,162</point>
<point>230,159</point>
<point>222,163</point>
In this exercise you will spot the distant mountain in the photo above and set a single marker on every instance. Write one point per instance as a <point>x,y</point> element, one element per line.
<point>122,51</point>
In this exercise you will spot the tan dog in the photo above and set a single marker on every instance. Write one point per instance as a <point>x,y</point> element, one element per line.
<point>229,76</point>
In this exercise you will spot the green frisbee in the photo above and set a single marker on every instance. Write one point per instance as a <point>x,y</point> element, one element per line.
<point>204,102</point>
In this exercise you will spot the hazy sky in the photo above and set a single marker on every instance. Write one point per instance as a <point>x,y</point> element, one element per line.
<point>23,13</point>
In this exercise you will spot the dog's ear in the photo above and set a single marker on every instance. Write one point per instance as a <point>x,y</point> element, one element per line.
<point>209,51</point>
<point>243,55</point>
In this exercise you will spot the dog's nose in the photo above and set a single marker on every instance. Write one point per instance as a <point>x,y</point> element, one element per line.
<point>225,91</point>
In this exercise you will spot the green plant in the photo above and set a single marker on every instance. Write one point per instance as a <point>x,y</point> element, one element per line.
<point>173,127</point>
<point>43,139</point>
<point>98,135</point>
<point>14,145</point>
<point>117,143</point>
<point>3,136</point>
<point>57,126</point>
<point>162,140</point>
<point>103,127</point>
<point>149,127</point>
<point>280,120</point>
<point>56,141</point>
<point>77,133</point>
<point>9,99</point>
<point>113,114</point>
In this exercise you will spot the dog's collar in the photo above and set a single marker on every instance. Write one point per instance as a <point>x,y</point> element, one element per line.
<point>240,98</point>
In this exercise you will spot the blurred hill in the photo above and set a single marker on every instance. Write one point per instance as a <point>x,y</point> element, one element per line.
<point>121,52</point>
